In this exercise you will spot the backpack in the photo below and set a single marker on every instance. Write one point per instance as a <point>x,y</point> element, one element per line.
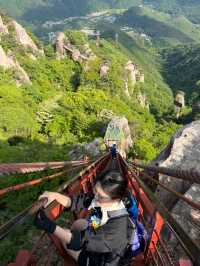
<point>136,234</point>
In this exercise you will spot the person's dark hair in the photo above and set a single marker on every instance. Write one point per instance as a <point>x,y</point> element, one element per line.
<point>113,183</point>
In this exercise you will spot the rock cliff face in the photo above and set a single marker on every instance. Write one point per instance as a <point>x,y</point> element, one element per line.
<point>24,39</point>
<point>183,152</point>
<point>8,61</point>
<point>5,61</point>
<point>3,28</point>
<point>188,217</point>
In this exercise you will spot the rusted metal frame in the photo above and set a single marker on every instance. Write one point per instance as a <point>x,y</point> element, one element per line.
<point>37,244</point>
<point>23,168</point>
<point>49,254</point>
<point>24,258</point>
<point>162,244</point>
<point>186,242</point>
<point>11,224</point>
<point>42,258</point>
<point>190,175</point>
<point>146,204</point>
<point>55,205</point>
<point>154,259</point>
<point>29,183</point>
<point>179,195</point>
<point>196,261</point>
<point>160,241</point>
<point>158,253</point>
<point>134,185</point>
<point>69,183</point>
<point>34,208</point>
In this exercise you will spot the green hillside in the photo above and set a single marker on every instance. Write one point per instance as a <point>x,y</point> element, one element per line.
<point>163,28</point>
<point>64,87</point>
<point>41,10</point>
<point>190,9</point>
<point>184,60</point>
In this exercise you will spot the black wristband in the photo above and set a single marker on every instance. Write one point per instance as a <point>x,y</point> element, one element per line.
<point>44,223</point>
<point>75,243</point>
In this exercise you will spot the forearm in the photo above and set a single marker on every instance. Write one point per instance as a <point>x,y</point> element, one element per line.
<point>64,235</point>
<point>63,200</point>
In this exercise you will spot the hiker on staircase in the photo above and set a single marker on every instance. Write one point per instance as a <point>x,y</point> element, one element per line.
<point>101,239</point>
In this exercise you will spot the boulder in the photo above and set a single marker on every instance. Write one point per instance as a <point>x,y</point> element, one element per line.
<point>118,132</point>
<point>92,149</point>
<point>24,39</point>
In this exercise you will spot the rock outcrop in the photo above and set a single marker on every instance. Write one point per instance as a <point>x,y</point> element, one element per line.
<point>24,39</point>
<point>182,152</point>
<point>87,51</point>
<point>9,62</point>
<point>141,77</point>
<point>5,61</point>
<point>92,149</point>
<point>3,28</point>
<point>60,42</point>
<point>143,101</point>
<point>131,72</point>
<point>64,47</point>
<point>132,75</point>
<point>118,132</point>
<point>179,103</point>
<point>104,70</point>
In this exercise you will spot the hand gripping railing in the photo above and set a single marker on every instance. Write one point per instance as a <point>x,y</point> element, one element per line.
<point>6,228</point>
<point>82,182</point>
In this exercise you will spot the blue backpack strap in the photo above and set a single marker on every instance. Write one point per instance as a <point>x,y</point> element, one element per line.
<point>117,213</point>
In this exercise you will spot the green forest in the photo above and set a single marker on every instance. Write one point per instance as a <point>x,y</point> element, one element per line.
<point>62,89</point>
